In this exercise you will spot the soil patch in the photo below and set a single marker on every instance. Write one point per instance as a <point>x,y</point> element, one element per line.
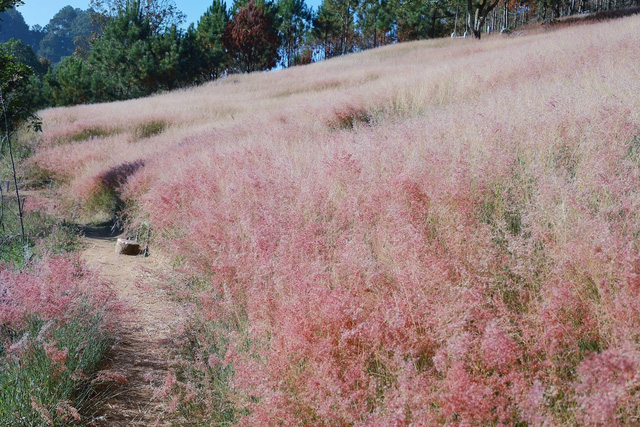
<point>144,348</point>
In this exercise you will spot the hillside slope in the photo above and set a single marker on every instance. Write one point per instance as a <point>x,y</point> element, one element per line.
<point>431,232</point>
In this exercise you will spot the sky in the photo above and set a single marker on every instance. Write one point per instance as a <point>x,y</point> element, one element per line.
<point>41,11</point>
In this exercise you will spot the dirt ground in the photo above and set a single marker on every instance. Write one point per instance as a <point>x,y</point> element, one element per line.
<point>144,349</point>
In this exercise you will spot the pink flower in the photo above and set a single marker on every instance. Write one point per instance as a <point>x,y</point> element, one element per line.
<point>55,354</point>
<point>65,410</point>
<point>109,377</point>
<point>39,408</point>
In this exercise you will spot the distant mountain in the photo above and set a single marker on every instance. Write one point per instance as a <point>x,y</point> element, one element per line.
<point>67,30</point>
<point>13,26</point>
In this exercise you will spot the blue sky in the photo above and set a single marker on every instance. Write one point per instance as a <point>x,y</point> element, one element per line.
<point>41,11</point>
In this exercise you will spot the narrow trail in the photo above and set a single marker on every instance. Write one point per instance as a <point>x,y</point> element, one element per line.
<point>143,351</point>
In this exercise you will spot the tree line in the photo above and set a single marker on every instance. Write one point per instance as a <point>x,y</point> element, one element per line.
<point>122,49</point>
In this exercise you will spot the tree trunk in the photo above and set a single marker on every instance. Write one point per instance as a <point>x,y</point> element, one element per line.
<point>477,25</point>
<point>479,12</point>
<point>7,135</point>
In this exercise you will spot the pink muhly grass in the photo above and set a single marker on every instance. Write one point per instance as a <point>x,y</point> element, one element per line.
<point>67,412</point>
<point>64,316</point>
<point>39,408</point>
<point>106,376</point>
<point>607,387</point>
<point>418,249</point>
<point>55,289</point>
<point>56,355</point>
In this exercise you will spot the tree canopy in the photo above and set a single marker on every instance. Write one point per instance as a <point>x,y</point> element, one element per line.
<point>252,39</point>
<point>295,23</point>
<point>13,26</point>
<point>9,4</point>
<point>160,13</point>
<point>211,27</point>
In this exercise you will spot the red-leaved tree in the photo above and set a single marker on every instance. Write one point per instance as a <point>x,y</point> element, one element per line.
<point>252,39</point>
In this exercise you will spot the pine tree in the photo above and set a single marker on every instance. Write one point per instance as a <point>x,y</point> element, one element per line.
<point>211,27</point>
<point>130,60</point>
<point>69,83</point>
<point>414,19</point>
<point>326,29</point>
<point>294,18</point>
<point>375,23</point>
<point>335,25</point>
<point>161,14</point>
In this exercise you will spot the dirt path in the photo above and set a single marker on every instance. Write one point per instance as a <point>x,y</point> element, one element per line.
<point>143,351</point>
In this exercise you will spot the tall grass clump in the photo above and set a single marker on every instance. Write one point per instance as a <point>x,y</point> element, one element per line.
<point>56,325</point>
<point>453,242</point>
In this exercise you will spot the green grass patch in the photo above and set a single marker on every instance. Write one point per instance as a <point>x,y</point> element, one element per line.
<point>102,200</point>
<point>92,132</point>
<point>149,129</point>
<point>213,404</point>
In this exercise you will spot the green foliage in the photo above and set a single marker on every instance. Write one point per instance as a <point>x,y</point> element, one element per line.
<point>501,209</point>
<point>213,401</point>
<point>34,89</point>
<point>102,201</point>
<point>44,234</point>
<point>130,60</point>
<point>16,110</point>
<point>15,102</point>
<point>294,18</point>
<point>208,34</point>
<point>120,60</point>
<point>9,4</point>
<point>11,251</point>
<point>36,376</point>
<point>24,54</point>
<point>376,23</point>
<point>56,238</point>
<point>149,129</point>
<point>161,14</point>
<point>329,29</point>
<point>633,145</point>
<point>418,20</point>
<point>69,83</point>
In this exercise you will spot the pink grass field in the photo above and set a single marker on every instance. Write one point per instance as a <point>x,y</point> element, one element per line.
<point>56,289</point>
<point>438,232</point>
